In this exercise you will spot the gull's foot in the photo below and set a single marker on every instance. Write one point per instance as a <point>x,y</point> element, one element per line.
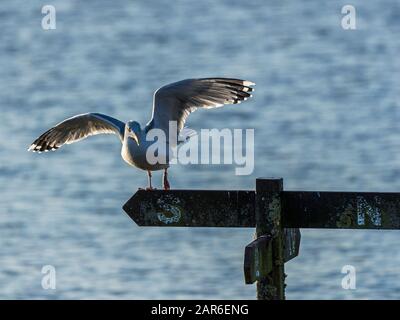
<point>165,180</point>
<point>166,185</point>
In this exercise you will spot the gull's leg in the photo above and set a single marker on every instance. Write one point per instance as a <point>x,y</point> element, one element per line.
<point>165,180</point>
<point>150,187</point>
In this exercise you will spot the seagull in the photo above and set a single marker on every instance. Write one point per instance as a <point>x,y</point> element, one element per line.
<point>172,102</point>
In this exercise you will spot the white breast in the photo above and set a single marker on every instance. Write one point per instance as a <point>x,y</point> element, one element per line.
<point>142,156</point>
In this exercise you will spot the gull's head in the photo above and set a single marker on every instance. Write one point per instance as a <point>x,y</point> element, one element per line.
<point>132,130</point>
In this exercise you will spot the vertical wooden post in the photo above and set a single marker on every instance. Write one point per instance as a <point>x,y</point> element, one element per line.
<point>268,222</point>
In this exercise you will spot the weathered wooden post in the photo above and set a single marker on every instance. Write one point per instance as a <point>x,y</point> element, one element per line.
<point>268,224</point>
<point>275,213</point>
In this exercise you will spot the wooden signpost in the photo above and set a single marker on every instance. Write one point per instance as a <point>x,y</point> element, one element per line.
<point>277,216</point>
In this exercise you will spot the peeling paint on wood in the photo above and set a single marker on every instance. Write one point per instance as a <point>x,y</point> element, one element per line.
<point>369,211</point>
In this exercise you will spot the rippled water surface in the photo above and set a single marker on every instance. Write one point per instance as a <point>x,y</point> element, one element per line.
<point>325,113</point>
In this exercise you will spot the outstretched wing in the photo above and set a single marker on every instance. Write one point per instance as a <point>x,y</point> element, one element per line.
<point>175,101</point>
<point>77,128</point>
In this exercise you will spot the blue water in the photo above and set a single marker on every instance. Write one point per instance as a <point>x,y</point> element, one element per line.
<point>325,113</point>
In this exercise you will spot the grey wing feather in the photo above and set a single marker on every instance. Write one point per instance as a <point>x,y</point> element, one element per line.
<point>77,128</point>
<point>175,101</point>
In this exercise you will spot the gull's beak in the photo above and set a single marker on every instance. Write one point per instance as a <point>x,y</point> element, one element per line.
<point>134,137</point>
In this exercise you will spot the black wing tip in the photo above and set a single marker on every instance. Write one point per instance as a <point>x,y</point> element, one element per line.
<point>240,88</point>
<point>40,149</point>
<point>42,143</point>
<point>233,81</point>
<point>40,146</point>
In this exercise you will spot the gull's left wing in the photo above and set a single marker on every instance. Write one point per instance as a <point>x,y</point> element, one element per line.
<point>175,101</point>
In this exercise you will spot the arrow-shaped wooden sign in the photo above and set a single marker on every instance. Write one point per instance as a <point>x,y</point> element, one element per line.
<point>192,208</point>
<point>341,210</point>
<point>275,213</point>
<point>208,208</point>
<point>257,259</point>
